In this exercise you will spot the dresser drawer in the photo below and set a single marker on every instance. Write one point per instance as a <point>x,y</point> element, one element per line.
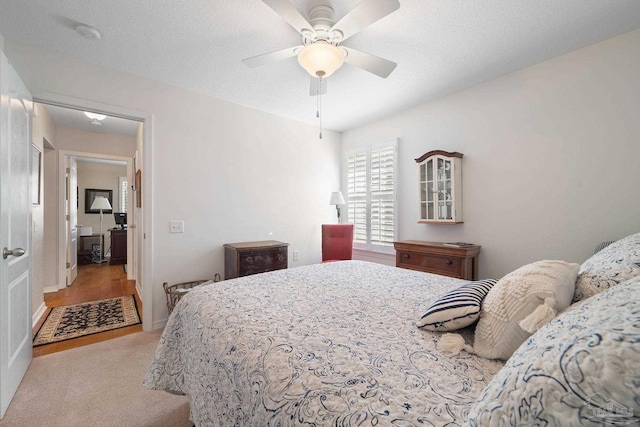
<point>430,263</point>
<point>246,258</point>
<point>438,258</point>
<point>260,261</point>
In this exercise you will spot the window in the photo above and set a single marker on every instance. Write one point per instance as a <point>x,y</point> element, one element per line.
<point>371,196</point>
<point>123,183</point>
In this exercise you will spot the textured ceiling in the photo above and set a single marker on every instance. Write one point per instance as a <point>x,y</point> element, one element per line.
<point>441,46</point>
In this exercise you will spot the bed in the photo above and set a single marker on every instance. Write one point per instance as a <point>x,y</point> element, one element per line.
<point>328,344</point>
<point>337,344</point>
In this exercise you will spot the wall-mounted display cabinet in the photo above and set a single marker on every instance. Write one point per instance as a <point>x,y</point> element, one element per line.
<point>440,187</point>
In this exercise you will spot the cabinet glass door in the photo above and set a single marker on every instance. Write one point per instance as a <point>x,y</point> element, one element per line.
<point>427,199</point>
<point>445,192</point>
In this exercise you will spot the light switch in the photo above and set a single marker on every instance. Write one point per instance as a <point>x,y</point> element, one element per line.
<point>176,226</point>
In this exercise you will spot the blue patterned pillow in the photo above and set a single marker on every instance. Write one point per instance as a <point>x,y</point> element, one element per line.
<point>580,369</point>
<point>616,263</point>
<point>457,308</point>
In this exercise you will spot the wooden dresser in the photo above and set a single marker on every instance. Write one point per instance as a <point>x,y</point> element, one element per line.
<point>246,258</point>
<point>435,257</point>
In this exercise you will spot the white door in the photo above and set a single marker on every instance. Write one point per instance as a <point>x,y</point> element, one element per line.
<point>135,226</point>
<point>72,220</point>
<point>15,232</point>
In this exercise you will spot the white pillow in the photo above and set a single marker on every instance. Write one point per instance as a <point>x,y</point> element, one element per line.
<point>520,303</point>
<point>614,264</point>
<point>457,308</point>
<point>579,370</point>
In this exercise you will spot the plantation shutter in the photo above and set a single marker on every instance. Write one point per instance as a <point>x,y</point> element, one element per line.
<point>382,196</point>
<point>124,192</point>
<point>371,196</point>
<point>357,195</point>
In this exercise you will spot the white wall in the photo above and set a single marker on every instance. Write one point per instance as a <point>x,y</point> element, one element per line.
<point>42,128</point>
<point>231,173</point>
<point>78,140</point>
<point>51,220</point>
<point>550,163</point>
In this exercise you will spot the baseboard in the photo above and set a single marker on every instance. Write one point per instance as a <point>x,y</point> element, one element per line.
<point>139,290</point>
<point>38,314</point>
<point>50,290</point>
<point>160,324</point>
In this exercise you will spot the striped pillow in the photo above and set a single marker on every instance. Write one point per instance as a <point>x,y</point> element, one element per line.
<point>457,308</point>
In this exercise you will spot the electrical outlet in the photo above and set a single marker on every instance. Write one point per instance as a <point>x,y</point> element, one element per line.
<point>176,226</point>
<point>295,255</point>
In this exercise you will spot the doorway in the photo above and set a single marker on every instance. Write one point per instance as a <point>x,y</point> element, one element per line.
<point>86,227</point>
<point>70,150</point>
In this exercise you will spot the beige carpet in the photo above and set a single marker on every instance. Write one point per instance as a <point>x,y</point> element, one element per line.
<point>96,385</point>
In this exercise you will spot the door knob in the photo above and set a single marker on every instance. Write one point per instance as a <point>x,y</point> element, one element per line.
<point>14,252</point>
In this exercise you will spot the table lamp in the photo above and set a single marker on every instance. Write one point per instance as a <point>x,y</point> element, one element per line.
<point>337,199</point>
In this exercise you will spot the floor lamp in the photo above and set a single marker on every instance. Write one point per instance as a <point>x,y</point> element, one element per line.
<point>101,203</point>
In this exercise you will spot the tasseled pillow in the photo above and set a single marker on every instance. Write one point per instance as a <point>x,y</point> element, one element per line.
<point>517,306</point>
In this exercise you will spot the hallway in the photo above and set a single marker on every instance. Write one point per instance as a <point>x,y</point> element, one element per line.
<point>94,282</point>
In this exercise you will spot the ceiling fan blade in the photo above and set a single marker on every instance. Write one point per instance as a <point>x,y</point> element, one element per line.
<point>364,14</point>
<point>313,88</point>
<point>256,61</point>
<point>371,63</point>
<point>290,14</point>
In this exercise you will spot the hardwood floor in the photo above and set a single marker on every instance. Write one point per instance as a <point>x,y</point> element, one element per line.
<point>94,282</point>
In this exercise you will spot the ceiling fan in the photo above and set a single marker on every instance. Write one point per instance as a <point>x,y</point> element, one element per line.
<point>321,52</point>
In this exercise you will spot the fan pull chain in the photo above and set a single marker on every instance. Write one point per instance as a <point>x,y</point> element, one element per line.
<point>319,103</point>
<point>318,97</point>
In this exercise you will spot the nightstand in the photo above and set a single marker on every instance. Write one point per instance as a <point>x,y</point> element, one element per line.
<point>435,257</point>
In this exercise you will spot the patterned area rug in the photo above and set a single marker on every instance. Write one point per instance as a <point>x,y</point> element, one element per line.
<point>73,321</point>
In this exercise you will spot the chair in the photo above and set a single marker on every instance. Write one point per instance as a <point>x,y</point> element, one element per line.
<point>337,242</point>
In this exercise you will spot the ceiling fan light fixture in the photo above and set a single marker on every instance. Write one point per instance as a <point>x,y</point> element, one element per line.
<point>320,59</point>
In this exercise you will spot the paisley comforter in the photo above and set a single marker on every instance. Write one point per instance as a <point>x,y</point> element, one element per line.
<point>331,344</point>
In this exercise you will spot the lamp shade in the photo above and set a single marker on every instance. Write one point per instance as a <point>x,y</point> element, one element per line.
<point>101,203</point>
<point>320,59</point>
<point>337,198</point>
